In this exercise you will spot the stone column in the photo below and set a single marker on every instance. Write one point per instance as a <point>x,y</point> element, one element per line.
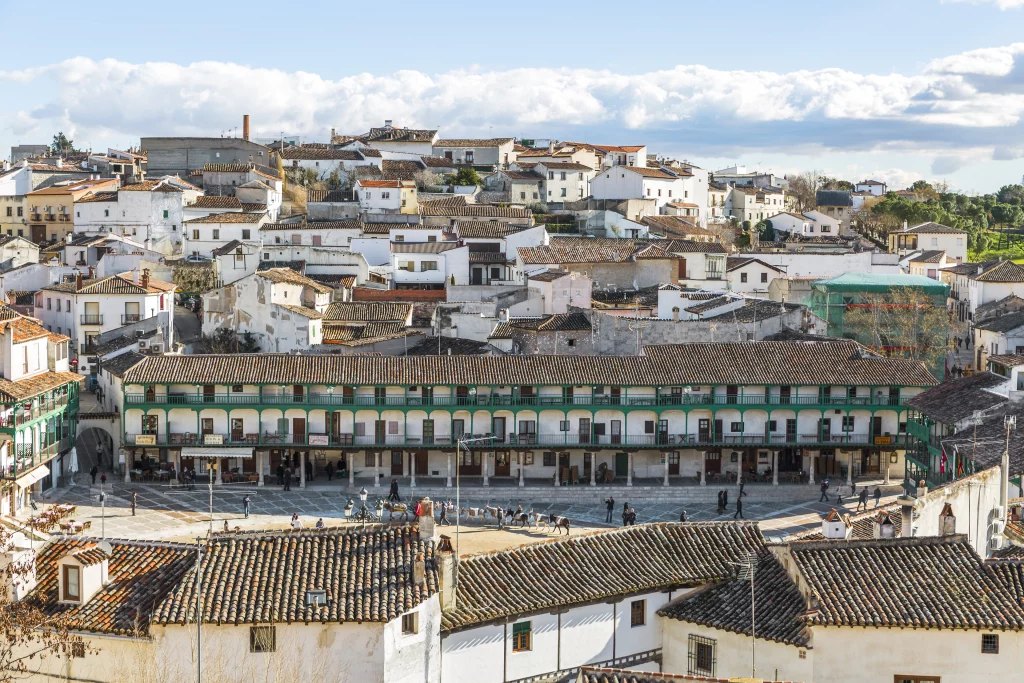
<point>259,467</point>
<point>376,470</point>
<point>849,471</point>
<point>484,457</point>
<point>302,469</point>
<point>810,472</point>
<point>522,470</point>
<point>593,469</point>
<point>127,466</point>
<point>886,470</point>
<point>629,469</point>
<point>702,456</point>
<point>412,470</point>
<point>351,459</point>
<point>557,467</point>
<point>664,456</point>
<point>775,468</point>
<point>220,471</point>
<point>448,479</point>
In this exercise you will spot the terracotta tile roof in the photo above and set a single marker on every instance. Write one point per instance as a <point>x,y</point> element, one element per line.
<point>398,169</point>
<point>33,386</point>
<point>313,225</point>
<point>228,248</point>
<point>370,152</point>
<point>675,226</point>
<point>367,311</point>
<point>227,168</point>
<point>531,176</point>
<point>287,275</point>
<point>486,229</point>
<point>141,573</point>
<point>1002,323</point>
<point>958,399</point>
<point>487,257</point>
<point>319,154</point>
<point>422,247</point>
<point>565,166</point>
<point>971,268</point>
<point>356,335</point>
<point>754,310</point>
<point>932,256</point>
<point>437,162</point>
<point>922,582</point>
<point>332,196</point>
<point>590,674</point>
<point>929,228</point>
<point>380,183</point>
<point>150,186</point>
<point>596,566</point>
<point>49,168</point>
<point>548,275</point>
<point>559,322</point>
<point>23,329</point>
<point>655,173</point>
<point>304,311</point>
<point>225,218</point>
<point>1007,359</point>
<point>97,197</point>
<point>1007,271</point>
<point>778,604</point>
<point>57,338</point>
<point>863,524</point>
<point>443,208</point>
<point>386,228</point>
<point>390,134</point>
<point>212,202</point>
<point>118,365</point>
<point>473,142</point>
<point>611,250</point>
<point>464,347</point>
<point>262,578</point>
<point>114,284</point>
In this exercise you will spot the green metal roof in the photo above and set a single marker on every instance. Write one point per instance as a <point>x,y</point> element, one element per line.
<point>870,282</point>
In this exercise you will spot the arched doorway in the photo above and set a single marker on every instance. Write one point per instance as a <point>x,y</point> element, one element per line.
<point>95,446</point>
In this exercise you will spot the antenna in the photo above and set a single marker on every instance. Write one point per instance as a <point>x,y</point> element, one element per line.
<point>746,572</point>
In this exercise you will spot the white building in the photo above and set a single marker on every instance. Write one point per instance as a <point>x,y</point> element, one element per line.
<point>325,161</point>
<point>411,141</point>
<point>637,182</point>
<point>205,235</point>
<point>972,285</point>
<point>280,308</point>
<point>492,152</point>
<point>387,196</point>
<point>564,181</point>
<point>931,237</point>
<point>754,203</point>
<point>428,265</point>
<point>83,309</point>
<point>750,276</point>
<point>875,187</point>
<point>806,224</point>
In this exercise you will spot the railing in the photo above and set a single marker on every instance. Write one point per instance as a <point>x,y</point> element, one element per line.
<point>512,440</point>
<point>129,318</point>
<point>26,458</point>
<point>88,319</point>
<point>485,400</point>
<point>21,415</point>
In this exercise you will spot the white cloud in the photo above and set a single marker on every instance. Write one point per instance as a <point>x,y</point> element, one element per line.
<point>1001,4</point>
<point>989,61</point>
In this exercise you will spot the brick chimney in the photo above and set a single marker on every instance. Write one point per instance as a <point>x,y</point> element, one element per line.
<point>419,571</point>
<point>426,519</point>
<point>78,280</point>
<point>245,126</point>
<point>145,278</point>
<point>446,575</point>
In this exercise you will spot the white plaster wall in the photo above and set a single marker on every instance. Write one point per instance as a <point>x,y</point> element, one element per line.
<point>732,655</point>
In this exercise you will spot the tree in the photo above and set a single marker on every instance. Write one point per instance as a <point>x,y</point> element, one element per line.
<point>61,144</point>
<point>466,176</point>
<point>226,340</point>
<point>1007,214</point>
<point>28,635</point>
<point>767,231</point>
<point>427,180</point>
<point>804,188</point>
<point>904,322</point>
<point>1011,194</point>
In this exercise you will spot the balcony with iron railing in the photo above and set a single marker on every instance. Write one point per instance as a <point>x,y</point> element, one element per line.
<point>91,319</point>
<point>129,318</point>
<point>26,457</point>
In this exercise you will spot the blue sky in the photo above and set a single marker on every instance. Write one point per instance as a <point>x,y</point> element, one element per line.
<point>896,89</point>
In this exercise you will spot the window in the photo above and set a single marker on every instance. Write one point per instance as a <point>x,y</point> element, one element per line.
<point>427,265</point>
<point>743,277</point>
<point>385,195</point>
<point>848,423</point>
<point>522,632</point>
<point>195,234</point>
<point>399,238</point>
<point>563,191</point>
<point>772,425</point>
<point>10,210</point>
<point>166,213</point>
<point>246,234</point>
<point>262,639</point>
<point>50,301</point>
<point>21,211</point>
<point>410,623</point>
<point>106,213</point>
<point>959,240</point>
<point>637,613</point>
<point>72,585</point>
<point>216,234</point>
<point>701,656</point>
<point>901,678</point>
<point>551,175</point>
<point>736,426</point>
<point>266,256</point>
<point>764,277</point>
<point>431,238</point>
<point>522,195</point>
<point>296,239</point>
<point>370,460</point>
<point>990,643</point>
<point>549,459</point>
<point>563,425</point>
<point>236,388</point>
<point>314,597</point>
<point>563,175</point>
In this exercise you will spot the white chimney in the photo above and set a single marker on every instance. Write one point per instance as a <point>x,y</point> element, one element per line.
<point>387,123</point>
<point>446,574</point>
<point>947,521</point>
<point>882,526</point>
<point>7,165</point>
<point>59,163</point>
<point>426,519</point>
<point>835,526</point>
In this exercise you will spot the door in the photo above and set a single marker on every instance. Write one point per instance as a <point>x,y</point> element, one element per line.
<point>682,269</point>
<point>749,461</point>
<point>428,432</point>
<point>621,464</point>
<point>462,395</point>
<point>501,464</point>
<point>876,427</point>
<point>564,468</point>
<point>673,463</point>
<point>38,233</point>
<point>150,422</point>
<point>584,430</point>
<point>458,429</point>
<point>704,430</point>
<point>237,432</point>
<point>826,429</point>
<point>380,395</point>
<point>588,462</point>
<point>297,393</point>
<point>92,314</point>
<point>380,431</point>
<point>469,462</point>
<point>298,430</point>
<point>477,277</point>
<point>791,430</point>
<point>718,431</point>
<point>348,395</point>
<point>206,426</point>
<point>784,395</point>
<point>420,462</point>
<point>498,429</point>
<point>616,396</point>
<point>397,462</point>
<point>131,312</point>
<point>527,432</point>
<point>662,432</point>
<point>336,426</point>
<point>616,433</point>
<point>713,462</point>
<point>731,392</point>
<point>209,393</point>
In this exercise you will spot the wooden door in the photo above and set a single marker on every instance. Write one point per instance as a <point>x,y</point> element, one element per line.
<point>713,462</point>
<point>237,432</point>
<point>498,429</point>
<point>784,395</point>
<point>38,233</point>
<point>379,431</point>
<point>588,462</point>
<point>462,395</point>
<point>348,395</point>
<point>876,426</point>
<point>673,463</point>
<point>502,461</point>
<point>209,393</point>
<point>298,430</point>
<point>420,462</point>
<point>297,393</point>
<point>704,430</point>
<point>584,430</point>
<point>731,392</point>
<point>616,395</point>
<point>662,432</point>
<point>469,462</point>
<point>336,425</point>
<point>621,464</point>
<point>616,431</point>
<point>826,429</point>
<point>397,463</point>
<point>749,460</point>
<point>719,429</point>
<point>206,426</point>
<point>428,432</point>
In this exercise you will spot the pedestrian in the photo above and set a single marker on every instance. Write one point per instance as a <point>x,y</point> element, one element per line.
<point>631,517</point>
<point>878,495</point>
<point>682,516</point>
<point>625,513</point>
<point>226,526</point>
<point>192,480</point>
<point>280,475</point>
<point>393,494</point>
<point>296,523</point>
<point>610,506</point>
<point>824,490</point>
<point>93,472</point>
<point>103,479</point>
<point>725,499</point>
<point>245,505</point>
<point>309,470</point>
<point>721,508</point>
<point>135,501</point>
<point>330,470</point>
<point>444,514</point>
<point>320,523</point>
<point>288,479</point>
<point>739,509</point>
<point>862,501</point>
<point>839,493</point>
<point>99,453</point>
<point>853,487</point>
<point>742,484</point>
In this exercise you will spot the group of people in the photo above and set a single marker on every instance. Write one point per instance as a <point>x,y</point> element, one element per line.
<point>957,371</point>
<point>862,499</point>
<point>723,503</point>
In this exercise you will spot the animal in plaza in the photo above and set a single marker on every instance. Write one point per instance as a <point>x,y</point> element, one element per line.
<point>559,523</point>
<point>400,508</point>
<point>518,515</point>
<point>538,519</point>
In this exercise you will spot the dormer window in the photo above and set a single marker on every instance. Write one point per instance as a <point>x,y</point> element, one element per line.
<point>72,583</point>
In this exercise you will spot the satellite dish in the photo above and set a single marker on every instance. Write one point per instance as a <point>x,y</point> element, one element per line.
<point>106,548</point>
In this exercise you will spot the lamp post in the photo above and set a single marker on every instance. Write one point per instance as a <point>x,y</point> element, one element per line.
<point>362,503</point>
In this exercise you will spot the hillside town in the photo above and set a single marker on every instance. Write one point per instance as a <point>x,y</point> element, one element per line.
<point>390,405</point>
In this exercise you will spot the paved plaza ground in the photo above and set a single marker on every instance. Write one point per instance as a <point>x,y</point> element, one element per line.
<point>178,514</point>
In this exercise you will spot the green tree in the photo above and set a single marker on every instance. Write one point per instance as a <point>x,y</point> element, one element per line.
<point>1007,214</point>
<point>466,176</point>
<point>225,340</point>
<point>767,231</point>
<point>61,144</point>
<point>1011,194</point>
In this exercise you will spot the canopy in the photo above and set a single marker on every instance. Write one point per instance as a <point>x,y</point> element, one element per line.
<point>32,477</point>
<point>204,452</point>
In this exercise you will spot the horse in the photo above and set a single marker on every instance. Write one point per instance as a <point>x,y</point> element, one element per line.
<point>495,513</point>
<point>519,516</point>
<point>392,508</point>
<point>560,523</point>
<point>538,519</point>
<point>470,513</point>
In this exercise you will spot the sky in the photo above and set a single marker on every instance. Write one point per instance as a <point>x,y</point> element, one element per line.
<point>896,90</point>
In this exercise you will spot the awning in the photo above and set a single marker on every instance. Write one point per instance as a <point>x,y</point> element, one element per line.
<point>32,477</point>
<point>201,452</point>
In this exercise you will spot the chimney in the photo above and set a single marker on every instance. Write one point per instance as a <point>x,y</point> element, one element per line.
<point>78,280</point>
<point>419,571</point>
<point>551,146</point>
<point>906,516</point>
<point>446,577</point>
<point>947,521</point>
<point>387,123</point>
<point>145,278</point>
<point>675,313</point>
<point>245,126</point>
<point>835,526</point>
<point>426,519</point>
<point>59,163</point>
<point>332,135</point>
<point>7,165</point>
<point>882,526</point>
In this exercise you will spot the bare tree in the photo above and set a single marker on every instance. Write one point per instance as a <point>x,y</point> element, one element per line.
<point>804,188</point>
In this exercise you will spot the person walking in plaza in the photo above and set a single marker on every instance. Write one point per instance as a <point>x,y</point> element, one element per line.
<point>824,490</point>
<point>742,484</point>
<point>721,508</point>
<point>393,494</point>
<point>93,472</point>
<point>862,500</point>
<point>288,479</point>
<point>296,523</point>
<point>682,516</point>
<point>739,509</point>
<point>625,513</point>
<point>444,514</point>
<point>192,479</point>
<point>135,501</point>
<point>878,495</point>
<point>245,505</point>
<point>330,470</point>
<point>280,475</point>
<point>725,499</point>
<point>610,505</point>
<point>309,471</point>
<point>320,523</point>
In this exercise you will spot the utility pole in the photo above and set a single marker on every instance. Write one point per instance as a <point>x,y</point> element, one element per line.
<point>747,571</point>
<point>1009,422</point>
<point>199,613</point>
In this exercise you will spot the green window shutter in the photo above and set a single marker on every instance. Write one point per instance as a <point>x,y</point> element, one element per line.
<point>521,628</point>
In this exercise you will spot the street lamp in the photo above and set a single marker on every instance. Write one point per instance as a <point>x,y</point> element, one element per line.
<point>362,503</point>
